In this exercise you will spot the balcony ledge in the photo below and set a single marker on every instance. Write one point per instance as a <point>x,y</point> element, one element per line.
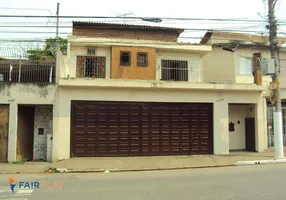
<point>117,83</point>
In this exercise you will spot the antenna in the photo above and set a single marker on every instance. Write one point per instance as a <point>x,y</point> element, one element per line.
<point>125,14</point>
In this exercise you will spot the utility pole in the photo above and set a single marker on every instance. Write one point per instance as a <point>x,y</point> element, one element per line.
<point>58,13</point>
<point>57,28</point>
<point>277,115</point>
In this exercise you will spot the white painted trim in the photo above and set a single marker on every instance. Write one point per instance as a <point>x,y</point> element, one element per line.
<point>257,162</point>
<point>114,83</point>
<point>90,41</point>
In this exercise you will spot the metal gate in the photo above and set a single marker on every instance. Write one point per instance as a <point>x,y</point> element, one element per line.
<point>140,128</point>
<point>270,125</point>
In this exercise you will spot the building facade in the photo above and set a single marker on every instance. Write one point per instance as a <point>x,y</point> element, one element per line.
<point>125,90</point>
<point>240,58</point>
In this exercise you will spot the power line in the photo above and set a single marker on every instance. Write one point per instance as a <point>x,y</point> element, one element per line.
<point>118,17</point>
<point>53,26</point>
<point>186,29</point>
<point>132,20</point>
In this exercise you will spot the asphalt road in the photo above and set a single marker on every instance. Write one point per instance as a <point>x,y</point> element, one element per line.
<point>249,182</point>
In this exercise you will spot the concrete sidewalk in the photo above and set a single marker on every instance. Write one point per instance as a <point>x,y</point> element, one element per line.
<point>155,163</point>
<point>135,163</point>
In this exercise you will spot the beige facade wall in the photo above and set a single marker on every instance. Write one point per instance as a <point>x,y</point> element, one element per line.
<point>219,66</point>
<point>62,125</point>
<point>283,74</point>
<point>223,66</point>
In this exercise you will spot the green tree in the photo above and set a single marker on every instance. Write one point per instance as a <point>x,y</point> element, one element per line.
<point>48,52</point>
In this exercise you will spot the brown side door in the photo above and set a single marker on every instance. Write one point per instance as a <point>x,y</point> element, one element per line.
<point>4,128</point>
<point>250,134</point>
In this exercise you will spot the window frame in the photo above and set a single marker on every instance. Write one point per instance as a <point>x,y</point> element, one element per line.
<point>140,64</point>
<point>120,61</point>
<point>242,67</point>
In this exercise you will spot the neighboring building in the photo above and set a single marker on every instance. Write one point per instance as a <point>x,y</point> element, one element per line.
<point>27,90</point>
<point>282,55</point>
<point>129,90</point>
<point>237,66</point>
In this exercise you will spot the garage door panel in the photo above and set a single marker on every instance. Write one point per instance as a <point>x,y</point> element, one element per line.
<point>123,128</point>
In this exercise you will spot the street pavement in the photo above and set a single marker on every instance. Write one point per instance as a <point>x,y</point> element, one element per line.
<point>255,182</point>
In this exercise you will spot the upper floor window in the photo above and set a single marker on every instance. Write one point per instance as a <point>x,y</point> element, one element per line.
<point>174,70</point>
<point>142,59</point>
<point>245,66</point>
<point>91,66</point>
<point>125,58</point>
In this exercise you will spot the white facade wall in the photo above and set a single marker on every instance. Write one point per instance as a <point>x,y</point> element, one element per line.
<point>237,115</point>
<point>195,68</point>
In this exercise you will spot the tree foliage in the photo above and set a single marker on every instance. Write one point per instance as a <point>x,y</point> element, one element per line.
<point>48,52</point>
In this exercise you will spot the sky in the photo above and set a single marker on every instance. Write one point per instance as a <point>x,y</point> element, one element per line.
<point>222,9</point>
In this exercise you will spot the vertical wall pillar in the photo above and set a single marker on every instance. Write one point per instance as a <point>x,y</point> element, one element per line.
<point>221,134</point>
<point>61,127</point>
<point>260,129</point>
<point>12,137</point>
<point>54,139</point>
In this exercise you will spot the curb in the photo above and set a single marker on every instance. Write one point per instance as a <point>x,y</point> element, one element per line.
<point>38,172</point>
<point>258,162</point>
<point>65,170</point>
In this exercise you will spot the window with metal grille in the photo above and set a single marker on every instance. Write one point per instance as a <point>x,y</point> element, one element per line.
<point>174,70</point>
<point>125,58</point>
<point>142,59</point>
<point>91,66</point>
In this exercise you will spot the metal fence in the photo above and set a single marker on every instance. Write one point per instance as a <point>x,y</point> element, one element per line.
<point>27,71</point>
<point>270,126</point>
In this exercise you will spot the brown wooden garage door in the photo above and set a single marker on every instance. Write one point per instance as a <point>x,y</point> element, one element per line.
<point>135,129</point>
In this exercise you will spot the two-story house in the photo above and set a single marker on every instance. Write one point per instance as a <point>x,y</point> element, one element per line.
<point>232,54</point>
<point>131,90</point>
